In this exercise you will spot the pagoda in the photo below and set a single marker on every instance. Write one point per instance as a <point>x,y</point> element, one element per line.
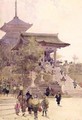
<point>13,30</point>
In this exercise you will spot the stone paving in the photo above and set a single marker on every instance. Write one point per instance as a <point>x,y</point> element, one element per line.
<point>70,109</point>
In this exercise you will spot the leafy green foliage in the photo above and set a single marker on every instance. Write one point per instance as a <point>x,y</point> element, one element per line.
<point>3,58</point>
<point>27,57</point>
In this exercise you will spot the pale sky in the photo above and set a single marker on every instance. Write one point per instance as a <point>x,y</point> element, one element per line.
<point>50,16</point>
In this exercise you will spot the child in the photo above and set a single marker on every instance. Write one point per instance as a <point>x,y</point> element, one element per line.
<point>35,104</point>
<point>23,103</point>
<point>45,105</point>
<point>30,108</point>
<point>17,108</point>
<point>23,106</point>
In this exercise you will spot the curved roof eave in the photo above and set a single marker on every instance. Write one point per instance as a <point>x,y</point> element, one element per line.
<point>14,23</point>
<point>58,45</point>
<point>52,41</point>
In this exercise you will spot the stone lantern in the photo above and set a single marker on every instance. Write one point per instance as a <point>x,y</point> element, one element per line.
<point>63,84</point>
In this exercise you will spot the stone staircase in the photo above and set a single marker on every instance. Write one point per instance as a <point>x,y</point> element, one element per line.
<point>67,86</point>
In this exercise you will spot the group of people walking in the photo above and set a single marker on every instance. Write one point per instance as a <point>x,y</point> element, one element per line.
<point>31,104</point>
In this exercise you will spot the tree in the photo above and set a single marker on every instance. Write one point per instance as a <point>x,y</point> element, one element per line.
<point>75,58</point>
<point>26,59</point>
<point>3,58</point>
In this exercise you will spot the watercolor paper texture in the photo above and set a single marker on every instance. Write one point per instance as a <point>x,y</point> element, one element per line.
<point>43,17</point>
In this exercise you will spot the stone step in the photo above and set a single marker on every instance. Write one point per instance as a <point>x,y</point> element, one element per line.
<point>68,86</point>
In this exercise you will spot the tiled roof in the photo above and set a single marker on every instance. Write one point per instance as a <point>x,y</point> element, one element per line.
<point>46,39</point>
<point>15,25</point>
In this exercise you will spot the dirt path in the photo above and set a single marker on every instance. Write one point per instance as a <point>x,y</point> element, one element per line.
<point>70,109</point>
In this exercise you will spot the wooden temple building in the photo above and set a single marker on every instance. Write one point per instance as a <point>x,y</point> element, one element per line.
<point>16,36</point>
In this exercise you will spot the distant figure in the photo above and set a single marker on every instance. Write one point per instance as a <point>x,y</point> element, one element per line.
<point>58,98</point>
<point>47,91</point>
<point>23,103</point>
<point>74,84</point>
<point>28,95</point>
<point>30,108</point>
<point>61,71</point>
<point>23,106</point>
<point>7,91</point>
<point>17,107</point>
<point>4,91</point>
<point>45,105</point>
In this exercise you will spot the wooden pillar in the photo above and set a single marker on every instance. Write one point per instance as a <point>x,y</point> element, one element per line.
<point>55,56</point>
<point>43,57</point>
